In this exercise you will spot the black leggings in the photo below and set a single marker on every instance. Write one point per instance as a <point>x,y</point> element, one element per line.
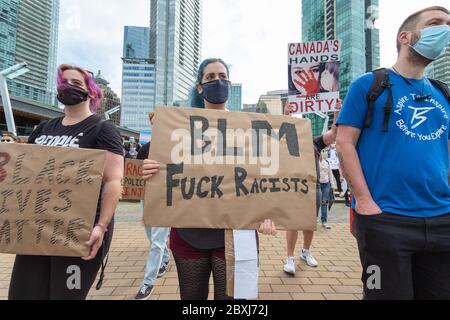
<point>49,278</point>
<point>194,274</point>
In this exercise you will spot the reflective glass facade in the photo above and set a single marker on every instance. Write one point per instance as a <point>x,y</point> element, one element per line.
<point>440,69</point>
<point>235,100</point>
<point>135,42</point>
<point>353,23</point>
<point>37,44</point>
<point>175,46</point>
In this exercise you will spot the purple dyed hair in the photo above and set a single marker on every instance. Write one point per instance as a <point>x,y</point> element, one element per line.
<point>94,90</point>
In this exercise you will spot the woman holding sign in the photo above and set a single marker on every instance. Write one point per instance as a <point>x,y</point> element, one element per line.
<point>200,252</point>
<point>67,278</point>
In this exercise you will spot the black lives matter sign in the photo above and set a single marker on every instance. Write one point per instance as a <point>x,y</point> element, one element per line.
<point>48,199</point>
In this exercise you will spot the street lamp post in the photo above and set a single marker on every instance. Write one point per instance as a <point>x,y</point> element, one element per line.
<point>9,74</point>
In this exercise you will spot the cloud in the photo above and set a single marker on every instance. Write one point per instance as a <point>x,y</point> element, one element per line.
<point>251,35</point>
<point>91,33</point>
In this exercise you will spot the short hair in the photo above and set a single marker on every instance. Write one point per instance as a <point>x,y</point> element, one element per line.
<point>11,135</point>
<point>411,22</point>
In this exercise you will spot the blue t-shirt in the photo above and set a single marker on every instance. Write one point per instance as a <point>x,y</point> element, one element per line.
<point>406,168</point>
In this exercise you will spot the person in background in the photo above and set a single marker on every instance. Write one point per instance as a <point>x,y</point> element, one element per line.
<point>159,255</point>
<point>320,143</point>
<point>9,137</point>
<point>327,184</point>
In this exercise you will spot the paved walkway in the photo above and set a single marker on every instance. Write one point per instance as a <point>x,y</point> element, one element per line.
<point>337,277</point>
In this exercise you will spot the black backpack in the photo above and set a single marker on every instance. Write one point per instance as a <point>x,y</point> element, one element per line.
<point>381,83</point>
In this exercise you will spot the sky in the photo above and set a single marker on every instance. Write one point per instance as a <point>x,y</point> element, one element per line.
<point>250,35</point>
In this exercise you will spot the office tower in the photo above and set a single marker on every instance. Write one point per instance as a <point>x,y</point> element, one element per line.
<point>235,100</point>
<point>175,46</point>
<point>138,79</point>
<point>440,69</point>
<point>36,42</point>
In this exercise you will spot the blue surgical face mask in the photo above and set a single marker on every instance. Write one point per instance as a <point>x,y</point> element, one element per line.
<point>433,41</point>
<point>216,92</point>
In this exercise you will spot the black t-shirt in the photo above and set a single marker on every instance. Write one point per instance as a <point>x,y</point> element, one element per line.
<point>81,135</point>
<point>143,152</point>
<point>91,133</point>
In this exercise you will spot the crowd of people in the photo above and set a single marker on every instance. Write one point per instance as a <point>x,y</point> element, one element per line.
<point>399,182</point>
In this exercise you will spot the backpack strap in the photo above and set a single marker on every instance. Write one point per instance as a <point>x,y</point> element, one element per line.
<point>441,86</point>
<point>380,83</point>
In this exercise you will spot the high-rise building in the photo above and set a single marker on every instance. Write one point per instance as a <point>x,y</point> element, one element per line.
<point>135,42</point>
<point>272,103</point>
<point>110,99</point>
<point>175,46</point>
<point>138,79</point>
<point>440,69</point>
<point>235,100</point>
<point>353,23</point>
<point>33,38</point>
<point>8,32</point>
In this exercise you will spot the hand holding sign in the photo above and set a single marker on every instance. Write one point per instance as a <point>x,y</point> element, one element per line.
<point>150,168</point>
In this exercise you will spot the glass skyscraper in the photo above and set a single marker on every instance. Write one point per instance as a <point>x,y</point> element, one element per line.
<point>138,79</point>
<point>135,42</point>
<point>8,32</point>
<point>34,25</point>
<point>352,22</point>
<point>440,69</point>
<point>235,101</point>
<point>175,46</point>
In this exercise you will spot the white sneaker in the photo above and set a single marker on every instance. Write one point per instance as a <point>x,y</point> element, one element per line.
<point>326,226</point>
<point>289,266</point>
<point>308,258</point>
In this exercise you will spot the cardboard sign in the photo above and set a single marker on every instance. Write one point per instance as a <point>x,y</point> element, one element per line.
<point>48,199</point>
<point>133,184</point>
<point>225,170</point>
<point>313,70</point>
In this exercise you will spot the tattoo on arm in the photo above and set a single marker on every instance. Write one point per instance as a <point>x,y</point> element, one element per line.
<point>344,170</point>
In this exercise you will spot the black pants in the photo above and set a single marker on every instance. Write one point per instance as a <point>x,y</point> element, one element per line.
<point>49,278</point>
<point>412,256</point>
<point>337,176</point>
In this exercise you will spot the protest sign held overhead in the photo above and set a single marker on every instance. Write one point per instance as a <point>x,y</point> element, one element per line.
<point>225,170</point>
<point>313,71</point>
<point>133,184</point>
<point>48,199</point>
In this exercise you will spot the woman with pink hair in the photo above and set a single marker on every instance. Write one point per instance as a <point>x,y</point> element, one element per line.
<point>45,277</point>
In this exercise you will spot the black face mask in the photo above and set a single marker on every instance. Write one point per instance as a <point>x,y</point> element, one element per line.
<point>216,92</point>
<point>70,95</point>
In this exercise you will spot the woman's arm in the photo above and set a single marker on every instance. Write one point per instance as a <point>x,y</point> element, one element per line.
<point>111,194</point>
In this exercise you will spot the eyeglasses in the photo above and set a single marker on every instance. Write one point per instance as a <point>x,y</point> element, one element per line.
<point>7,141</point>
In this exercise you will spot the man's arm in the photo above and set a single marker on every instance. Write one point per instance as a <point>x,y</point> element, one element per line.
<point>347,140</point>
<point>449,167</point>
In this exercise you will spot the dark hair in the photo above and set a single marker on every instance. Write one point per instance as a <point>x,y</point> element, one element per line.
<point>332,67</point>
<point>196,98</point>
<point>411,22</point>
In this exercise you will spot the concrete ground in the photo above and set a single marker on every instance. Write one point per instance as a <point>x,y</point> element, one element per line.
<point>337,277</point>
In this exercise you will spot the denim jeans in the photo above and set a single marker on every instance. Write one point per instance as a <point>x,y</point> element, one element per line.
<point>159,253</point>
<point>326,193</point>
